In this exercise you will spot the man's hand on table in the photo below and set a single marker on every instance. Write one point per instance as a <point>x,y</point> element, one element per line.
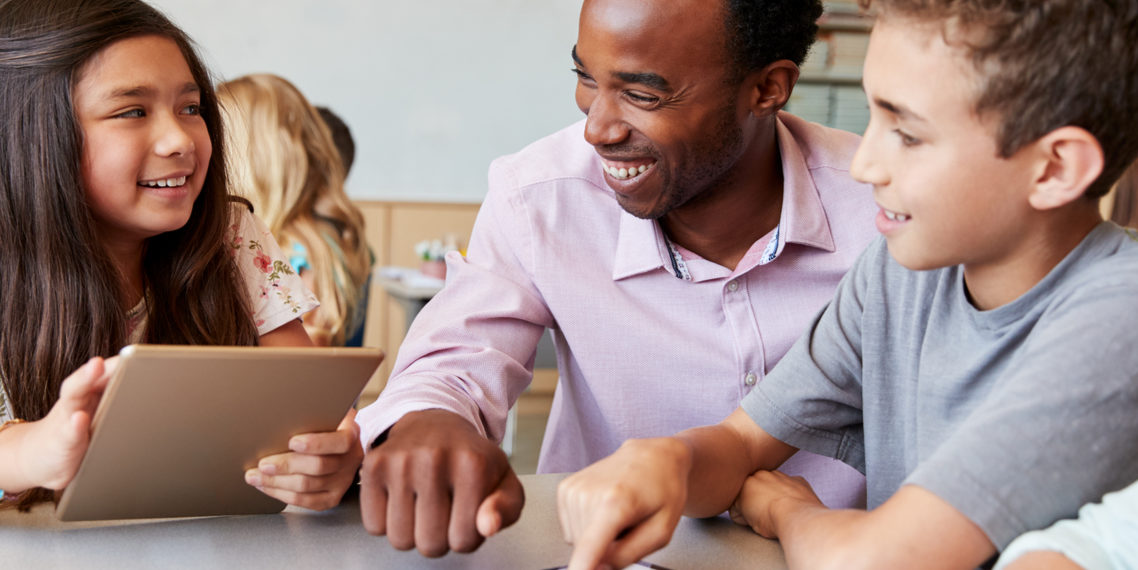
<point>437,485</point>
<point>625,506</point>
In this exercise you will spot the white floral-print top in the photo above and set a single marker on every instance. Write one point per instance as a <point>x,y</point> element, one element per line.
<point>276,292</point>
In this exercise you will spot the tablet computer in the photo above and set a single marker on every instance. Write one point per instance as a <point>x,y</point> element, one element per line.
<point>178,426</point>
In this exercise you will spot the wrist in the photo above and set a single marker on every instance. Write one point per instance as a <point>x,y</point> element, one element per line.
<point>790,512</point>
<point>13,478</point>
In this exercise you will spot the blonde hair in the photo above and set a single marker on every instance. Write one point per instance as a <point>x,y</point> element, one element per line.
<point>283,159</point>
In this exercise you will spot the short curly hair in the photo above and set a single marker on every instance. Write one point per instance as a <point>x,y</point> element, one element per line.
<point>760,32</point>
<point>1046,64</point>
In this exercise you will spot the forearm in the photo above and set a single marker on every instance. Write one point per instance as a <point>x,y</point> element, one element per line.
<point>722,457</point>
<point>914,529</point>
<point>813,536</point>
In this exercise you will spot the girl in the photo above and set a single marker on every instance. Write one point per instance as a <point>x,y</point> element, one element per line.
<point>116,227</point>
<point>287,164</point>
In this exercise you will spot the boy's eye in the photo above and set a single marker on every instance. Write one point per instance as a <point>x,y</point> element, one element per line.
<point>906,138</point>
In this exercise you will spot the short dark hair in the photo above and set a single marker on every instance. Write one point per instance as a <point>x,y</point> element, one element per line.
<point>1046,64</point>
<point>341,135</point>
<point>761,32</point>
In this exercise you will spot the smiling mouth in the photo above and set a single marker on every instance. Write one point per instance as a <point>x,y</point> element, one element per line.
<point>164,183</point>
<point>626,171</point>
<point>894,216</point>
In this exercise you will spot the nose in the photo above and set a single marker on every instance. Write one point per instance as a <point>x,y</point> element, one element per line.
<point>172,137</point>
<point>603,124</point>
<point>867,165</point>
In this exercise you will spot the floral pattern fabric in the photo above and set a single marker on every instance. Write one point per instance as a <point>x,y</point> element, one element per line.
<point>276,291</point>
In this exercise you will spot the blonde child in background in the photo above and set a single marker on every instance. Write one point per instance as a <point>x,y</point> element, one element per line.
<point>978,362</point>
<point>286,163</point>
<point>117,227</point>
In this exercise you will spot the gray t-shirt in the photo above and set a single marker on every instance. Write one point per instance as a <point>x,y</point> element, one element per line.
<point>1015,416</point>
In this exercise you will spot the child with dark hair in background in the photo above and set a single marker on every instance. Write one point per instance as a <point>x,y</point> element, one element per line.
<point>341,135</point>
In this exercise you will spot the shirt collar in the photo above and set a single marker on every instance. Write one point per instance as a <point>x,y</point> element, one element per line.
<point>642,247</point>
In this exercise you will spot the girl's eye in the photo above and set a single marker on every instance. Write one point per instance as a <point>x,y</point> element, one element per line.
<point>192,109</point>
<point>131,114</point>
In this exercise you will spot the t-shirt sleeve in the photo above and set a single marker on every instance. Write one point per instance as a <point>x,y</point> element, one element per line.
<point>813,399</point>
<point>277,295</point>
<point>1059,426</point>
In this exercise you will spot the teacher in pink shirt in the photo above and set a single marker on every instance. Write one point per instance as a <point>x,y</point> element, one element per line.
<point>676,241</point>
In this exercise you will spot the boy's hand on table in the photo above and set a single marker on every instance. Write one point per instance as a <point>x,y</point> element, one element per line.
<point>763,495</point>
<point>436,484</point>
<point>627,505</point>
<point>51,449</point>
<point>317,471</point>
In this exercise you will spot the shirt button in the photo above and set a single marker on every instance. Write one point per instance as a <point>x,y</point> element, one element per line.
<point>733,286</point>
<point>750,379</point>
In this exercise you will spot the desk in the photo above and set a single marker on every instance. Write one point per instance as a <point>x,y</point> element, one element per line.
<point>299,538</point>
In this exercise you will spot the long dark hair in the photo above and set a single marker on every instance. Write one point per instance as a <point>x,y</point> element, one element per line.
<point>61,300</point>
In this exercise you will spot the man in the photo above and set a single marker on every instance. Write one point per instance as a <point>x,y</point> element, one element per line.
<point>676,242</point>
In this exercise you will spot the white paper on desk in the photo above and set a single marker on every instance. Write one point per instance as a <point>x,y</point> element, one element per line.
<point>411,277</point>
<point>420,281</point>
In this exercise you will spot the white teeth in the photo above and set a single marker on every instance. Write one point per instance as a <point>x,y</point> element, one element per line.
<point>895,216</point>
<point>167,183</point>
<point>625,173</point>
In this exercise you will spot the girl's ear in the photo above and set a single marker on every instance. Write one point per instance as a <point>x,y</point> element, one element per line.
<point>1072,160</point>
<point>769,88</point>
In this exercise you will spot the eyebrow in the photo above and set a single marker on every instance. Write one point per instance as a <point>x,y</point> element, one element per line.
<point>645,78</point>
<point>898,109</point>
<point>143,91</point>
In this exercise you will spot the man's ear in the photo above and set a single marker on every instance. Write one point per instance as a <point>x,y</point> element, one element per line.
<point>770,87</point>
<point>1072,160</point>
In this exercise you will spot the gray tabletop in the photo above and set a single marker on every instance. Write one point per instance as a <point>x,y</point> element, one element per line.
<point>299,538</point>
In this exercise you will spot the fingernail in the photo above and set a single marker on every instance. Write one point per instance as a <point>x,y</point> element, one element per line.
<point>298,445</point>
<point>268,468</point>
<point>253,478</point>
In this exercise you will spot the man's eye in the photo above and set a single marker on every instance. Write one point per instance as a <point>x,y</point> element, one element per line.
<point>642,98</point>
<point>581,75</point>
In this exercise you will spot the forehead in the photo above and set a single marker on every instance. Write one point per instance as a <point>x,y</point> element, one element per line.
<point>909,63</point>
<point>653,35</point>
<point>142,61</point>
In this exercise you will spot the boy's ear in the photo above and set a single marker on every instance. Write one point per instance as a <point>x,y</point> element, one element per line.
<point>1072,161</point>
<point>770,87</point>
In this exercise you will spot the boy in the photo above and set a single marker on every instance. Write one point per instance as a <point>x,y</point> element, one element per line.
<point>983,372</point>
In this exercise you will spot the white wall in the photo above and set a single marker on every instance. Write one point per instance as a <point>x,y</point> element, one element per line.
<point>432,89</point>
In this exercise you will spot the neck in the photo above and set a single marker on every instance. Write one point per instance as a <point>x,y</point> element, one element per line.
<point>722,223</point>
<point>126,255</point>
<point>993,285</point>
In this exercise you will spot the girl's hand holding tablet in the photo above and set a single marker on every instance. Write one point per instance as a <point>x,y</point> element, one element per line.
<point>48,451</point>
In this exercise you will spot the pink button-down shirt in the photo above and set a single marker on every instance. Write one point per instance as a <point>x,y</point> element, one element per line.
<point>641,352</point>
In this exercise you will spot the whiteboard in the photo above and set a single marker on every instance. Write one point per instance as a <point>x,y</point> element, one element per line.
<point>432,90</point>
